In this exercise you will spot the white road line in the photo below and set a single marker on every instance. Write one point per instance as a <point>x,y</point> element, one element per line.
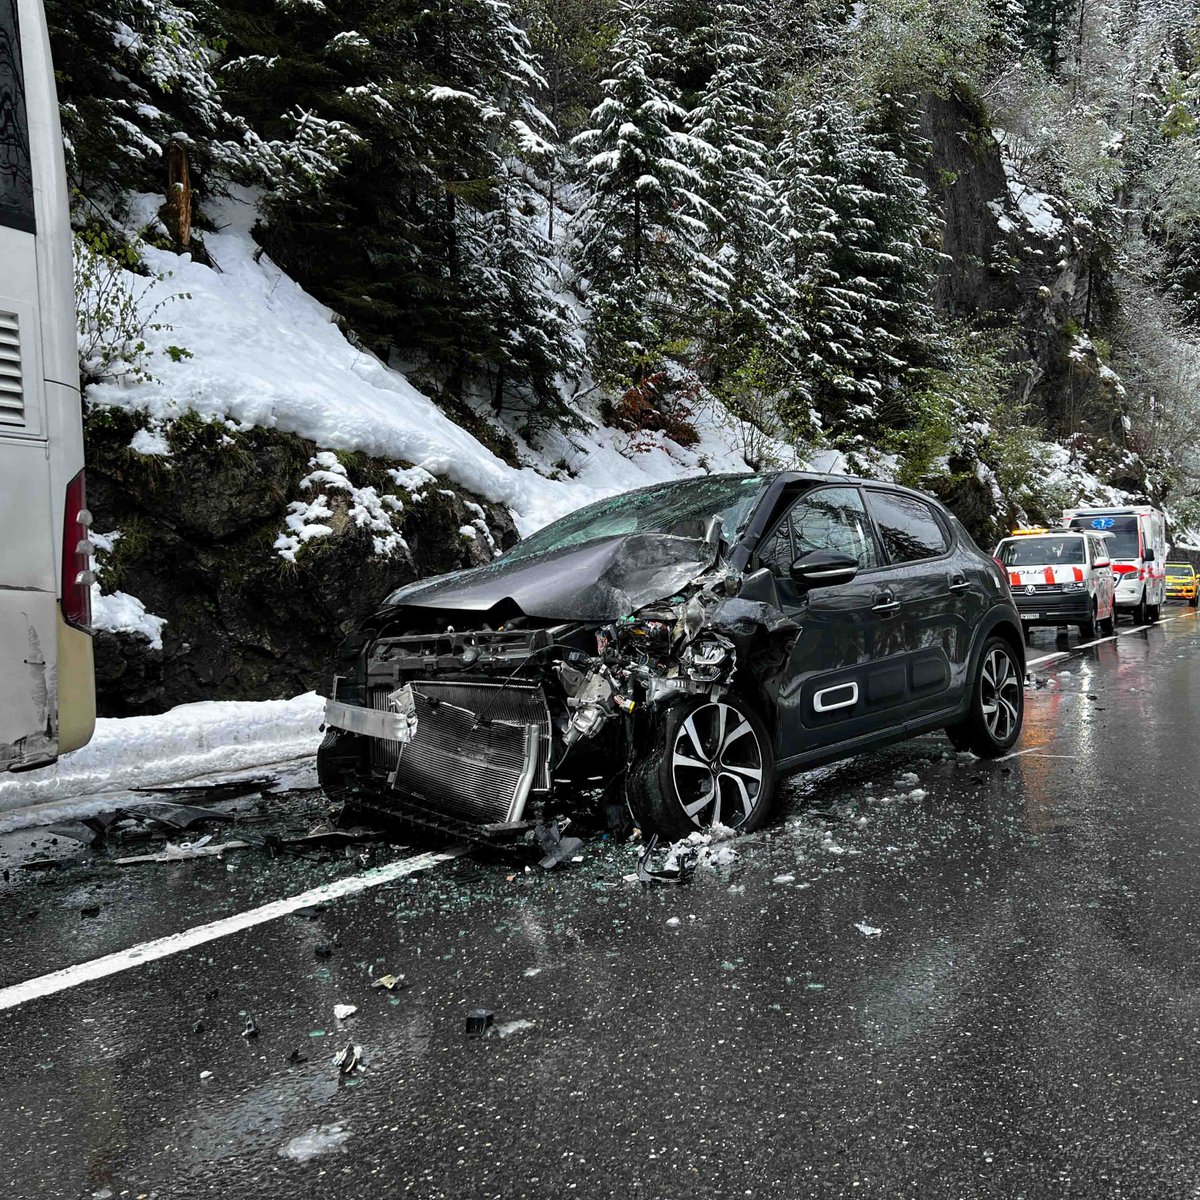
<point>1032,750</point>
<point>1033,662</point>
<point>1098,642</point>
<point>163,947</point>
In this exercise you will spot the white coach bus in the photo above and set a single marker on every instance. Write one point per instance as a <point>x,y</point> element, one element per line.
<point>47,685</point>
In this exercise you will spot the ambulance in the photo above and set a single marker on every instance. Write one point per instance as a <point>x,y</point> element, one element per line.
<point>1138,543</point>
<point>1060,578</point>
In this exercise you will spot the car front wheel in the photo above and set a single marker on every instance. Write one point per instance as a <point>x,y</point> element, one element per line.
<point>997,704</point>
<point>710,762</point>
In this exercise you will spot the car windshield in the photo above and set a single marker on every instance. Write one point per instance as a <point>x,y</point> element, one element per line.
<point>1041,551</point>
<point>682,507</point>
<point>1124,543</point>
<point>1180,570</point>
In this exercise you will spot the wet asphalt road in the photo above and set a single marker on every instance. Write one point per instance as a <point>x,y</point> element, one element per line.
<point>1025,1022</point>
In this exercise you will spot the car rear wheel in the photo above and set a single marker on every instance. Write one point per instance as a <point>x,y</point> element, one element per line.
<point>1087,629</point>
<point>997,704</point>
<point>1153,611</point>
<point>712,761</point>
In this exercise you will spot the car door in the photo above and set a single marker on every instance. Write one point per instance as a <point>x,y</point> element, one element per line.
<point>939,597</point>
<point>837,686</point>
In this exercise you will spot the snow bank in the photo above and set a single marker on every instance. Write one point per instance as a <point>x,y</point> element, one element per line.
<point>120,612</point>
<point>265,353</point>
<point>183,744</point>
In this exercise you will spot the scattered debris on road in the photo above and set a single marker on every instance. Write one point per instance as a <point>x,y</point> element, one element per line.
<point>390,983</point>
<point>348,1059</point>
<point>479,1022</point>
<point>342,1011</point>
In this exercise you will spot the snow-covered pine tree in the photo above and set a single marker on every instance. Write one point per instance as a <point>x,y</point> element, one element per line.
<point>728,126</point>
<point>639,231</point>
<point>858,233</point>
<point>431,241</point>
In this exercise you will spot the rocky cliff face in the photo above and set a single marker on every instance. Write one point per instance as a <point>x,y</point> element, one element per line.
<point>197,539</point>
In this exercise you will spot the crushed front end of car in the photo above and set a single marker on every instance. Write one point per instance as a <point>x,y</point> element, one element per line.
<point>482,703</point>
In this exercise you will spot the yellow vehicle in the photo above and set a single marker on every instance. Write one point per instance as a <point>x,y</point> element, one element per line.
<point>1183,583</point>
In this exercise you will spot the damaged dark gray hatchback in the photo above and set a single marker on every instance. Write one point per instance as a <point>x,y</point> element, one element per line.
<point>674,649</point>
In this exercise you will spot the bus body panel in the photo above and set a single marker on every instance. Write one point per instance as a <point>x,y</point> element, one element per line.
<point>47,683</point>
<point>28,712</point>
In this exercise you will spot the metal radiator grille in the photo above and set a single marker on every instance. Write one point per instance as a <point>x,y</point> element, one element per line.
<point>456,764</point>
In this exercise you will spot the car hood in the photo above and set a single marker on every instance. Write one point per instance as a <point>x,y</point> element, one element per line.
<point>599,581</point>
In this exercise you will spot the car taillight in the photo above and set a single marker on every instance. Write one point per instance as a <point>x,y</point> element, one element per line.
<point>77,576</point>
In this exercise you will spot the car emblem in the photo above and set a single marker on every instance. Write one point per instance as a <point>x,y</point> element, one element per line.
<point>1030,589</point>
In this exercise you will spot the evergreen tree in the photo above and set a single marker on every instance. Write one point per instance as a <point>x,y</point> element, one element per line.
<point>857,231</point>
<point>727,125</point>
<point>431,240</point>
<point>640,228</point>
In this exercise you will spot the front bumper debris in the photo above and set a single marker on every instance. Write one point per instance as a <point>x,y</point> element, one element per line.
<point>396,723</point>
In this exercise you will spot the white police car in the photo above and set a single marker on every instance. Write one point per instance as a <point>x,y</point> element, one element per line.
<point>1060,578</point>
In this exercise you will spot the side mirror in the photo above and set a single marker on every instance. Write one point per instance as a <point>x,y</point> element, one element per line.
<point>823,568</point>
<point>1148,556</point>
<point>1102,562</point>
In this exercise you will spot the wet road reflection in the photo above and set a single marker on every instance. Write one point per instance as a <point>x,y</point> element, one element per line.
<point>935,977</point>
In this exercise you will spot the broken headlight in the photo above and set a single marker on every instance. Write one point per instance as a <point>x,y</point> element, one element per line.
<point>707,659</point>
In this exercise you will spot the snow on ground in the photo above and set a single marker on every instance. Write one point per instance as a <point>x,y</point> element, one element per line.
<point>185,744</point>
<point>265,353</point>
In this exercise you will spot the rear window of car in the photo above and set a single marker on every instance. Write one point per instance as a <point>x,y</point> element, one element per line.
<point>908,527</point>
<point>1041,551</point>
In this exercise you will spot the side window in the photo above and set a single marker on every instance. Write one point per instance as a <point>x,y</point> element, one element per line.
<point>828,519</point>
<point>908,527</point>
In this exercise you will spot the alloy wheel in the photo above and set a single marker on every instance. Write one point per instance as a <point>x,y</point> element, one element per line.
<point>1000,695</point>
<point>717,765</point>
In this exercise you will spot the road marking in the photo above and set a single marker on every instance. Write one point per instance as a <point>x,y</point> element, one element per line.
<point>174,943</point>
<point>1033,662</point>
<point>1032,750</point>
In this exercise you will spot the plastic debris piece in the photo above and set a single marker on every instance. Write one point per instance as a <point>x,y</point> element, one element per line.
<point>296,1058</point>
<point>348,1059</point>
<point>205,1074</point>
<point>511,1027</point>
<point>251,1030</point>
<point>322,950</point>
<point>479,1022</point>
<point>867,930</point>
<point>391,982</point>
<point>558,849</point>
<point>198,1027</point>
<point>673,922</point>
<point>184,851</point>
<point>681,872</point>
<point>342,1011</point>
<point>784,879</point>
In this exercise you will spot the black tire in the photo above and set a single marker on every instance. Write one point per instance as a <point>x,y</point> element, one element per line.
<point>1153,612</point>
<point>678,785</point>
<point>992,728</point>
<point>1087,629</point>
<point>1141,613</point>
<point>1109,625</point>
<point>1194,601</point>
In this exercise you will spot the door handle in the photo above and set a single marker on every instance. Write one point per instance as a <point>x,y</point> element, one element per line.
<point>887,603</point>
<point>959,583</point>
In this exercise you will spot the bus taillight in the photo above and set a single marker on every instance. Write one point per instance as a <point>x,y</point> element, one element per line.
<point>77,576</point>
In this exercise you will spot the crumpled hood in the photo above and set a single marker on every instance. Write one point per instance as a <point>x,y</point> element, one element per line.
<point>599,581</point>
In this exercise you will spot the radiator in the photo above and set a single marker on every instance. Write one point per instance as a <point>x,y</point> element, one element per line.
<point>458,765</point>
